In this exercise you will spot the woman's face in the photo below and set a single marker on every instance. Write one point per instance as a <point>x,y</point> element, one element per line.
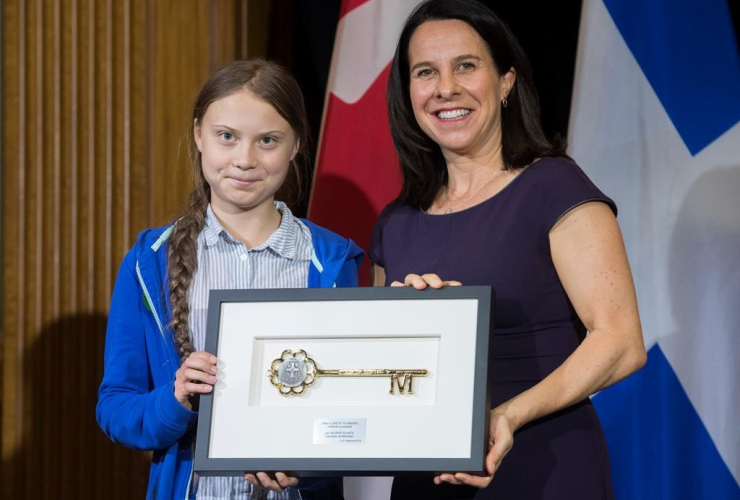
<point>246,148</point>
<point>455,89</point>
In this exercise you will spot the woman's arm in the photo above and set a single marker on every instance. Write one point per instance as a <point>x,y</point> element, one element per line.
<point>377,275</point>
<point>591,262</point>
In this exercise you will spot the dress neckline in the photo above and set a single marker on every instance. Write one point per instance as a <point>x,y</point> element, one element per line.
<point>492,197</point>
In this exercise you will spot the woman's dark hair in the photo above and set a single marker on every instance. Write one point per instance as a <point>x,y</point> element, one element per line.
<point>276,86</point>
<point>522,140</point>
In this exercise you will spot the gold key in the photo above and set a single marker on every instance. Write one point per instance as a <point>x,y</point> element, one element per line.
<point>293,372</point>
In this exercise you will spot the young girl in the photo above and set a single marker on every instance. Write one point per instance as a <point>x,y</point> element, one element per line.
<point>249,128</point>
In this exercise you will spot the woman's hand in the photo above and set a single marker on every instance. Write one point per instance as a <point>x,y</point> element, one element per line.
<point>425,280</point>
<point>501,439</point>
<point>196,375</point>
<point>281,481</point>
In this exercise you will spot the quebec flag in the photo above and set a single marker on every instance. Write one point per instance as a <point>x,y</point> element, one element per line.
<point>655,122</point>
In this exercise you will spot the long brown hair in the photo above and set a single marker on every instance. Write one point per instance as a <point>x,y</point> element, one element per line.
<point>276,86</point>
<point>422,164</point>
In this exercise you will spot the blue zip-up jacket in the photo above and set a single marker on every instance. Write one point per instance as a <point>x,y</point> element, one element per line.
<point>136,401</point>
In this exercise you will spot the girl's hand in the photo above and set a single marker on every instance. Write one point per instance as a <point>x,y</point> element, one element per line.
<point>281,481</point>
<point>501,439</point>
<point>421,282</point>
<point>196,375</point>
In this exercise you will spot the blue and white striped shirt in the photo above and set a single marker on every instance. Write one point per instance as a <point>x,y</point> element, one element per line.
<point>226,263</point>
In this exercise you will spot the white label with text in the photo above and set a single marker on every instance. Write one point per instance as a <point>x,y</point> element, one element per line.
<point>339,431</point>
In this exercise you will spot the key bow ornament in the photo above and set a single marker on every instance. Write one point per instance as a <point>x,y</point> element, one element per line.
<point>293,372</point>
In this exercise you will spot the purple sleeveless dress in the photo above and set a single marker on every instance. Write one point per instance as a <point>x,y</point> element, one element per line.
<point>503,242</point>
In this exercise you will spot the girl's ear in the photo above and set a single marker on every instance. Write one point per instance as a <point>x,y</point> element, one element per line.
<point>296,148</point>
<point>197,135</point>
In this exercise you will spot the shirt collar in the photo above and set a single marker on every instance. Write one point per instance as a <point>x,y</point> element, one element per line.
<point>283,241</point>
<point>213,229</point>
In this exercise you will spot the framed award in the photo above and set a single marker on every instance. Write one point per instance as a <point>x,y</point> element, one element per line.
<point>347,381</point>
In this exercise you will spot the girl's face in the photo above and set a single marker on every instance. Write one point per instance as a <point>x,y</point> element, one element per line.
<point>246,148</point>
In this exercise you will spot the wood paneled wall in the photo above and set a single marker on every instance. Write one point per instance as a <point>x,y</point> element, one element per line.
<point>96,100</point>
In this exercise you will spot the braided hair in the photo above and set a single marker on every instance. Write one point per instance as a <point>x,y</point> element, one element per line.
<point>273,84</point>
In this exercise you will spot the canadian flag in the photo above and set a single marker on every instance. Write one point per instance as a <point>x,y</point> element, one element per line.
<point>356,171</point>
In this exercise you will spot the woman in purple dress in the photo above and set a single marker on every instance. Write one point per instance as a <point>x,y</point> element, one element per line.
<point>488,200</point>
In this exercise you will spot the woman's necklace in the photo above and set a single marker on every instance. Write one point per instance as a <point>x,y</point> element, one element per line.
<point>449,210</point>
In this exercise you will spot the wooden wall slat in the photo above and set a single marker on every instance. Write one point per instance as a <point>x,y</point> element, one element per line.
<point>13,237</point>
<point>35,199</point>
<point>56,246</point>
<point>68,406</point>
<point>73,90</point>
<point>107,213</point>
<point>89,133</point>
<point>97,97</point>
<point>126,79</point>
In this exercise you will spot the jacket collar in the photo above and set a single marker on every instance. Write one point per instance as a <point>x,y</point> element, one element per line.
<point>283,241</point>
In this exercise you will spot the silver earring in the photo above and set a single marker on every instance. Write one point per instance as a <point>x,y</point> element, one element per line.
<point>505,102</point>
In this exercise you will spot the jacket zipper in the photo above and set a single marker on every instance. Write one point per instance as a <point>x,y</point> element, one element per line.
<point>149,299</point>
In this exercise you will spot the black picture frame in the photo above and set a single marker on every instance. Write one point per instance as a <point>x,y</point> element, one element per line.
<point>205,465</point>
